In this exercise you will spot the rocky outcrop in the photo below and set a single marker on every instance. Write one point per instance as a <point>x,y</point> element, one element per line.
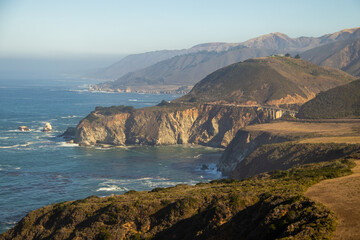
<point>210,125</point>
<point>69,134</point>
<point>47,128</point>
<point>242,145</point>
<point>24,129</point>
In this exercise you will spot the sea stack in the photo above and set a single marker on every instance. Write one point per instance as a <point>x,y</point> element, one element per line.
<point>47,128</point>
<point>24,129</point>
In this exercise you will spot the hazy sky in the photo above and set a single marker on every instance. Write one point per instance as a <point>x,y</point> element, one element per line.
<point>67,27</point>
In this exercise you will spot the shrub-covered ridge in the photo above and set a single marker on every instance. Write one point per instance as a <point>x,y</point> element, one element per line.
<point>270,206</point>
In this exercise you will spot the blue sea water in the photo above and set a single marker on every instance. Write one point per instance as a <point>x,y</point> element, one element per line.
<point>38,168</point>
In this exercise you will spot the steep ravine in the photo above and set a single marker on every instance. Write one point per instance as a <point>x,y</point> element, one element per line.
<point>210,125</point>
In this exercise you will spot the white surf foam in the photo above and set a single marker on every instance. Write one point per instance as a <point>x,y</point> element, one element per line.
<point>112,188</point>
<point>70,116</point>
<point>17,145</point>
<point>65,144</point>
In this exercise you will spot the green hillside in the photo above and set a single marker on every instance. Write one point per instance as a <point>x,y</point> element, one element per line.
<point>271,206</point>
<point>339,102</point>
<point>271,80</point>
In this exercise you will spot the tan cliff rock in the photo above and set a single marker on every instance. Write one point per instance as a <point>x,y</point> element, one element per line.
<point>210,125</point>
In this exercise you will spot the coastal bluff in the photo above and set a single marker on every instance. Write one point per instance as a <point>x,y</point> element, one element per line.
<point>245,93</point>
<point>203,124</point>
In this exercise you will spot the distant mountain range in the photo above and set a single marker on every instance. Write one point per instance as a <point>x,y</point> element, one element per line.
<point>344,55</point>
<point>180,73</point>
<point>179,70</point>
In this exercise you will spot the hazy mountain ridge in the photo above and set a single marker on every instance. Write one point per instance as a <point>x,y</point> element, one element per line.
<point>135,62</point>
<point>270,44</point>
<point>344,55</point>
<point>283,42</point>
<point>182,71</point>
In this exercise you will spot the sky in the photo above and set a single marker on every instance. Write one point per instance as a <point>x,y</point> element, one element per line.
<point>46,28</point>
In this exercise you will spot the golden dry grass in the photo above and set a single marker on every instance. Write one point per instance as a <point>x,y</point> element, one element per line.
<point>340,131</point>
<point>342,196</point>
<point>348,140</point>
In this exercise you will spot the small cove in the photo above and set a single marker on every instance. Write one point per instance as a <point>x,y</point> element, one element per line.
<point>38,168</point>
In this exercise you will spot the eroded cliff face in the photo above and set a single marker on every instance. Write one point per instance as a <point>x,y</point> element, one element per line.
<point>210,125</point>
<point>282,156</point>
<point>244,143</point>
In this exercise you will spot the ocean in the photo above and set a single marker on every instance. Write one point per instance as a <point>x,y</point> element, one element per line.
<point>39,168</point>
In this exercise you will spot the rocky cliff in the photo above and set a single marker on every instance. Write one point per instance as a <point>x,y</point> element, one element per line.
<point>284,144</point>
<point>206,124</point>
<point>244,143</point>
<point>282,156</point>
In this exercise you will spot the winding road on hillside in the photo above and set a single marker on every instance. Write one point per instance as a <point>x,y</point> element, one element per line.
<point>342,196</point>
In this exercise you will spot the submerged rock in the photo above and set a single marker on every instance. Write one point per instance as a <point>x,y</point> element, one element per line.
<point>24,128</point>
<point>69,133</point>
<point>47,128</point>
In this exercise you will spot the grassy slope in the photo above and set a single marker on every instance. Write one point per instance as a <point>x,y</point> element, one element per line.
<point>341,195</point>
<point>339,102</point>
<point>268,207</point>
<point>266,79</point>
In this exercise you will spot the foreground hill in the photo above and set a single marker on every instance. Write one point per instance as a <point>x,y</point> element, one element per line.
<point>344,55</point>
<point>339,102</point>
<point>266,81</point>
<point>271,206</point>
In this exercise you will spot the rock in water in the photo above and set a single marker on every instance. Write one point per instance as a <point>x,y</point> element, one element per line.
<point>47,128</point>
<point>69,133</point>
<point>24,128</point>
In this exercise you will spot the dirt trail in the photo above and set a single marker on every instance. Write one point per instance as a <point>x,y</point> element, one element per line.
<point>342,196</point>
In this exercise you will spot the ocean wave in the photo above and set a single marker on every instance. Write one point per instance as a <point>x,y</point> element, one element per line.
<point>133,100</point>
<point>211,170</point>
<point>4,138</point>
<point>79,90</point>
<point>65,144</point>
<point>5,167</point>
<point>112,188</point>
<point>143,183</point>
<point>17,145</point>
<point>70,116</point>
